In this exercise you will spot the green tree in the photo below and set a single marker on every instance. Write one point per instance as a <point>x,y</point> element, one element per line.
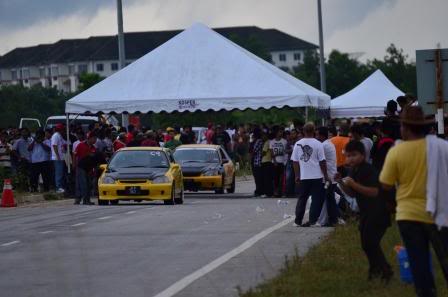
<point>34,102</point>
<point>343,73</point>
<point>87,80</point>
<point>397,68</point>
<point>308,72</point>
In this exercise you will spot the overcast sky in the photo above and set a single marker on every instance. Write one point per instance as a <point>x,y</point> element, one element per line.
<point>367,26</point>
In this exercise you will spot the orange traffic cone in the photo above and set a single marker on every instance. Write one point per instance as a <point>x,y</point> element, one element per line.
<point>8,195</point>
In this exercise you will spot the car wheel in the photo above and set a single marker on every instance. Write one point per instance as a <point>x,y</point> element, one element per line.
<point>231,190</point>
<point>114,202</point>
<point>180,200</point>
<point>221,190</point>
<point>102,202</point>
<point>172,198</point>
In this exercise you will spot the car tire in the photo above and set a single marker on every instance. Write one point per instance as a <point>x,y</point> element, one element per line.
<point>173,197</point>
<point>114,202</point>
<point>231,190</point>
<point>180,200</point>
<point>102,202</point>
<point>221,190</point>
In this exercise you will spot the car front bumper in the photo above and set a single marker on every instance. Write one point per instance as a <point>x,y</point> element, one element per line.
<point>147,192</point>
<point>203,183</point>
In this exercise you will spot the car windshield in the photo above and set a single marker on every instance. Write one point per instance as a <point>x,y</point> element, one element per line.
<point>196,155</point>
<point>139,159</point>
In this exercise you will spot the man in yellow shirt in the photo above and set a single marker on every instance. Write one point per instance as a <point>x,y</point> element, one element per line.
<point>406,167</point>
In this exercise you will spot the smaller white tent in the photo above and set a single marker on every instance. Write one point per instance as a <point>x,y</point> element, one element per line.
<point>368,99</point>
<point>198,69</point>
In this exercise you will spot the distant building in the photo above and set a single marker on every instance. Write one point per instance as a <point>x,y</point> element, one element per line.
<point>60,64</point>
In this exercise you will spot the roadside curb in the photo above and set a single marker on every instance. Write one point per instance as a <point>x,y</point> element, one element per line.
<point>23,199</point>
<point>244,178</point>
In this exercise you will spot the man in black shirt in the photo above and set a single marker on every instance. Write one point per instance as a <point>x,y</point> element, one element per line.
<point>221,138</point>
<point>363,184</point>
<point>187,136</point>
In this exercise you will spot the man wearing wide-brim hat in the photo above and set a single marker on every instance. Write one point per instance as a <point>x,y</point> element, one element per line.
<point>414,166</point>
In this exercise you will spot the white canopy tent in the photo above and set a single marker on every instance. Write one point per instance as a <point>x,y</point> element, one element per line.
<point>198,69</point>
<point>368,99</point>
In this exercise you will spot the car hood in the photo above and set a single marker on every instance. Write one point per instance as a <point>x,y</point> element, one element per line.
<point>137,173</point>
<point>198,167</point>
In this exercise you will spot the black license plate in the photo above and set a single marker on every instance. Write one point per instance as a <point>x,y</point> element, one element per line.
<point>133,190</point>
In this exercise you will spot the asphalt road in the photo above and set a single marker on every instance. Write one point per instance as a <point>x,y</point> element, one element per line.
<point>210,246</point>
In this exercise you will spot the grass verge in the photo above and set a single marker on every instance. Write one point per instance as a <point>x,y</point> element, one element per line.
<point>338,267</point>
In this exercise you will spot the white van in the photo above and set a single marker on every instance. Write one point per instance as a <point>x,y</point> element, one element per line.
<point>84,121</point>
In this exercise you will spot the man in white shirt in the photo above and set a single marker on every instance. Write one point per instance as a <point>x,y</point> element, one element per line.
<point>39,158</point>
<point>330,158</point>
<point>358,134</point>
<point>58,149</point>
<point>311,171</point>
<point>278,152</point>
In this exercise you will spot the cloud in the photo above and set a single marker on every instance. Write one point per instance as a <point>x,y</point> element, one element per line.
<point>349,25</point>
<point>409,24</point>
<point>17,14</point>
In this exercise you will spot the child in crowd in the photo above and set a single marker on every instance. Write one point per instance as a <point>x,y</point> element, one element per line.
<point>363,184</point>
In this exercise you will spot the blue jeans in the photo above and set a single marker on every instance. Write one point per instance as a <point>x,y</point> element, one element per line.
<point>290,179</point>
<point>83,185</point>
<point>315,189</point>
<point>417,238</point>
<point>59,173</point>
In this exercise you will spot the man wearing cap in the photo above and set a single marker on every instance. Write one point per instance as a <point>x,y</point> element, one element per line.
<point>86,161</point>
<point>57,156</point>
<point>408,166</point>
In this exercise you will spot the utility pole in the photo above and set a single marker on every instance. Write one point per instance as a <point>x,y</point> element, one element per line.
<point>440,102</point>
<point>121,53</point>
<point>323,83</point>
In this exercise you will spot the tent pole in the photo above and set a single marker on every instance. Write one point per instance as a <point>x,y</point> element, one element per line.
<point>68,141</point>
<point>125,120</point>
<point>306,114</point>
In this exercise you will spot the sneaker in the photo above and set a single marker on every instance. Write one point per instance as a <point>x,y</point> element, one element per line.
<point>328,225</point>
<point>317,225</point>
<point>307,224</point>
<point>341,222</point>
<point>263,196</point>
<point>296,225</point>
<point>60,191</point>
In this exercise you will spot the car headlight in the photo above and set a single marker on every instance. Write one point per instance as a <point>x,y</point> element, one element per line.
<point>212,172</point>
<point>161,180</point>
<point>108,180</point>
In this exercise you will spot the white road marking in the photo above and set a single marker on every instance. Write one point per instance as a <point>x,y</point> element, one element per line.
<point>104,218</point>
<point>79,224</point>
<point>189,279</point>
<point>11,243</point>
<point>131,212</point>
<point>46,232</point>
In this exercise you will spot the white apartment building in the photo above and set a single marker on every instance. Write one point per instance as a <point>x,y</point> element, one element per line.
<point>60,64</point>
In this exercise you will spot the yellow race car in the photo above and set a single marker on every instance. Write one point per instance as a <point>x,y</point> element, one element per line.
<point>141,173</point>
<point>206,167</point>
